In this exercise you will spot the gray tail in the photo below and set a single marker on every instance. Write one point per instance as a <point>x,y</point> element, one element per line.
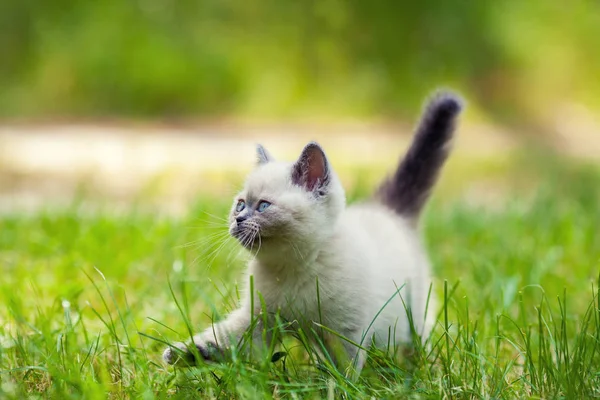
<point>407,191</point>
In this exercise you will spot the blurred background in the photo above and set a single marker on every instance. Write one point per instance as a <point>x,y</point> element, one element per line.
<point>162,99</point>
<point>126,127</point>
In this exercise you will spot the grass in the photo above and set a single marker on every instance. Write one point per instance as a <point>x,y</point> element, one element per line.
<point>91,297</point>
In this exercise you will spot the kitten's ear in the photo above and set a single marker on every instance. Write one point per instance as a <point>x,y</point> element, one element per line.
<point>263,155</point>
<point>311,171</point>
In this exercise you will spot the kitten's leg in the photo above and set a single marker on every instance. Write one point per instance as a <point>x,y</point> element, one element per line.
<point>213,341</point>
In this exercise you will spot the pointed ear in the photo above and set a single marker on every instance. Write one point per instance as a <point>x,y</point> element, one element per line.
<point>311,171</point>
<point>263,155</point>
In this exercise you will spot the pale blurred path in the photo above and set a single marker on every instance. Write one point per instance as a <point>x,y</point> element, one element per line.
<point>45,165</point>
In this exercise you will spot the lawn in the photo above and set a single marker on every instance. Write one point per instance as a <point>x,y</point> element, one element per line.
<point>89,296</point>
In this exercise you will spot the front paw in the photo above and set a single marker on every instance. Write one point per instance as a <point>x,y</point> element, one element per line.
<point>178,353</point>
<point>186,355</point>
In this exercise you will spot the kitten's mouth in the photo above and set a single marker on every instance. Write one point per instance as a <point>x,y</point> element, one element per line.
<point>249,237</point>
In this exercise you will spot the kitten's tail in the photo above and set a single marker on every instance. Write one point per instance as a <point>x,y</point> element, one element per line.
<point>407,191</point>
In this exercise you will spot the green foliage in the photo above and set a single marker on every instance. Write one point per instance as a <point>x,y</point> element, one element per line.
<point>288,58</point>
<point>91,299</point>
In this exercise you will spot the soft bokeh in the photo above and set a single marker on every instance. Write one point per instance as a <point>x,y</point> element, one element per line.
<point>518,60</point>
<point>127,126</point>
<point>119,97</point>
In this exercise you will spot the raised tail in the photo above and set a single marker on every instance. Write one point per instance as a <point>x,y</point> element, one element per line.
<point>407,191</point>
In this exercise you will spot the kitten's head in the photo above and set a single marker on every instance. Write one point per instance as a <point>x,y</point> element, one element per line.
<point>287,205</point>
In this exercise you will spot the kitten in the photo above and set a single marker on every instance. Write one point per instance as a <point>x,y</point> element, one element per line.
<point>293,216</point>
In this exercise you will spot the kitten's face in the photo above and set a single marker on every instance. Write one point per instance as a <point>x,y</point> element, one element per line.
<point>286,205</point>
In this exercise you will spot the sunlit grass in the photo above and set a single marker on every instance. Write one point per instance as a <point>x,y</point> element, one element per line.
<point>90,300</point>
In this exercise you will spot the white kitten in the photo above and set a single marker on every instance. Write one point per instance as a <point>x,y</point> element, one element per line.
<point>294,217</point>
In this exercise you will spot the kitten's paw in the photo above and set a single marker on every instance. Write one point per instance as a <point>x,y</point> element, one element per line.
<point>178,353</point>
<point>183,354</point>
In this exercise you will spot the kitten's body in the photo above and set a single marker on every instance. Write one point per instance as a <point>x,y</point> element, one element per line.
<point>358,258</point>
<point>374,254</point>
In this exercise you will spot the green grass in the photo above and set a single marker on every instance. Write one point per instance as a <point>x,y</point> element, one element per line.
<point>89,297</point>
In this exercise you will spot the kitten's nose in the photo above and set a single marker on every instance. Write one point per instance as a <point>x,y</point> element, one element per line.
<point>241,218</point>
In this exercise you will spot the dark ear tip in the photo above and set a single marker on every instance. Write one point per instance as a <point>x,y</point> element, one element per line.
<point>312,145</point>
<point>314,149</point>
<point>447,101</point>
<point>311,171</point>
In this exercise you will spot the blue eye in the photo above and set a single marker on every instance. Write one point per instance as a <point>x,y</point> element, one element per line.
<point>262,206</point>
<point>240,206</point>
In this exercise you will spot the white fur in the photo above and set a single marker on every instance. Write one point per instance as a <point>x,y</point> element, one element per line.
<point>361,255</point>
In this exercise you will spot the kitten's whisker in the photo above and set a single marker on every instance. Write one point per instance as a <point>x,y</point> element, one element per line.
<point>220,231</point>
<point>213,240</point>
<point>205,245</point>
<point>295,249</point>
<point>216,252</point>
<point>236,254</point>
<point>207,259</point>
<point>219,218</point>
<point>209,225</point>
<point>255,234</point>
<point>259,244</point>
<point>207,238</point>
<point>227,243</point>
<point>214,248</point>
<point>247,238</point>
<point>242,238</point>
<point>193,263</point>
<point>291,245</point>
<point>212,220</point>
